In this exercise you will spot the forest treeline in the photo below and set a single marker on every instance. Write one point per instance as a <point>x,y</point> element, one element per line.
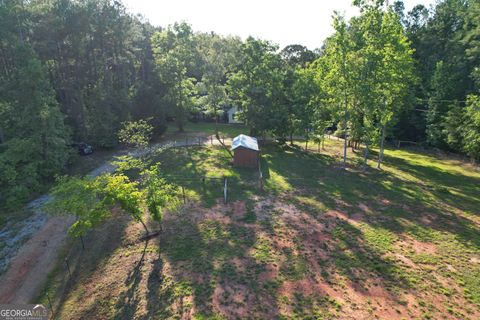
<point>74,71</point>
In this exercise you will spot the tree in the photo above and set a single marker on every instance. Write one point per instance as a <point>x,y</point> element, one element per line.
<point>174,56</point>
<point>471,128</point>
<point>91,200</point>
<point>337,74</point>
<point>309,115</point>
<point>257,88</point>
<point>33,133</point>
<point>297,55</point>
<point>80,197</point>
<point>219,56</point>
<point>159,194</point>
<point>396,71</point>
<point>136,133</point>
<point>118,189</point>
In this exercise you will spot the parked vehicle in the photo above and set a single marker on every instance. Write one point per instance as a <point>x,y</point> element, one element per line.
<point>83,148</point>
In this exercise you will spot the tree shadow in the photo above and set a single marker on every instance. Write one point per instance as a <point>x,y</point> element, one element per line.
<point>394,204</point>
<point>210,263</point>
<point>195,169</point>
<point>438,182</point>
<point>128,300</point>
<point>100,245</point>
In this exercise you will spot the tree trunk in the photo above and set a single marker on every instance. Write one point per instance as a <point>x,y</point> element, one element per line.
<point>223,145</point>
<point>365,156</point>
<point>380,154</point>
<point>345,137</point>
<point>216,121</point>
<point>144,226</point>
<point>291,138</point>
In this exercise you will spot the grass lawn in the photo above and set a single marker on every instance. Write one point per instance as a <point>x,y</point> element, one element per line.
<point>318,242</point>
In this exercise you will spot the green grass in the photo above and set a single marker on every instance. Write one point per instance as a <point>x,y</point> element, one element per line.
<point>201,171</point>
<point>411,228</point>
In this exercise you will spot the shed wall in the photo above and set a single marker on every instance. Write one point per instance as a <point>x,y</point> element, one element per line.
<point>244,157</point>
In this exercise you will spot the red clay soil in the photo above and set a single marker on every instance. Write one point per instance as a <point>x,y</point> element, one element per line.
<point>30,267</point>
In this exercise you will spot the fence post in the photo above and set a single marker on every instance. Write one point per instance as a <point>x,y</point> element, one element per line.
<point>186,141</point>
<point>83,244</point>
<point>225,190</point>
<point>211,140</point>
<point>183,194</point>
<point>203,183</point>
<point>260,176</point>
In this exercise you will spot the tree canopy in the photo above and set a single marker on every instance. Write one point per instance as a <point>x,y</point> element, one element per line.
<point>80,71</point>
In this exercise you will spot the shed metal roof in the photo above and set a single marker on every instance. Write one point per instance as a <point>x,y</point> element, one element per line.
<point>246,142</point>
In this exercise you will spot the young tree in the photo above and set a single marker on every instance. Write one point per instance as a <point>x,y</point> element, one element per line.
<point>159,194</point>
<point>91,200</point>
<point>396,71</point>
<point>337,74</point>
<point>136,133</point>
<point>118,189</point>
<point>80,197</point>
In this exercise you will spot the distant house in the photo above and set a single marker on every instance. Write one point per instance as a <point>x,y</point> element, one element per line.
<point>231,115</point>
<point>245,151</point>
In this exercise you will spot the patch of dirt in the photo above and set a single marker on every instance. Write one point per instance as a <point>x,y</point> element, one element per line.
<point>270,273</point>
<point>424,247</point>
<point>294,262</point>
<point>364,208</point>
<point>404,260</point>
<point>475,260</point>
<point>37,257</point>
<point>384,201</point>
<point>353,219</point>
<point>233,300</point>
<point>239,210</point>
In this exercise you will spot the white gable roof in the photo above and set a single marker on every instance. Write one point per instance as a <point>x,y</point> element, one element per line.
<point>245,141</point>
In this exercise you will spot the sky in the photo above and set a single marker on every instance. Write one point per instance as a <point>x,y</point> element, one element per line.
<point>284,22</point>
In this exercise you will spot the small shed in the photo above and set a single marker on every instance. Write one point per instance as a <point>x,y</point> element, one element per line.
<point>245,151</point>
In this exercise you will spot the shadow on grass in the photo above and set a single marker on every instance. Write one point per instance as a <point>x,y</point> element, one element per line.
<point>200,253</point>
<point>396,205</point>
<point>100,244</point>
<point>128,300</point>
<point>201,171</point>
<point>438,182</point>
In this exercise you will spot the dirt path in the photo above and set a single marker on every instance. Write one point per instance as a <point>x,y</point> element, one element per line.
<point>33,245</point>
<point>35,260</point>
